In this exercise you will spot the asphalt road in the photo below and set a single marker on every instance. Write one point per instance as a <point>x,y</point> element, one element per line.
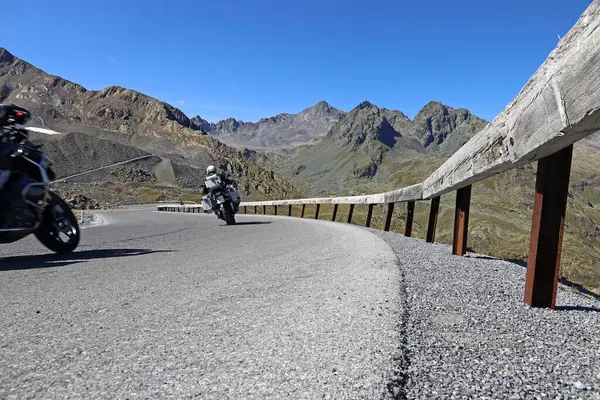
<point>164,305</point>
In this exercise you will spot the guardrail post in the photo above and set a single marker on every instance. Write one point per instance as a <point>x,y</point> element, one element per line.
<point>433,216</point>
<point>264,210</point>
<point>388,217</point>
<point>335,206</point>
<point>245,210</point>
<point>317,207</point>
<point>303,209</point>
<point>547,227</point>
<point>289,210</point>
<point>275,209</point>
<point>350,211</point>
<point>461,221</point>
<point>410,210</point>
<point>255,210</point>
<point>369,215</point>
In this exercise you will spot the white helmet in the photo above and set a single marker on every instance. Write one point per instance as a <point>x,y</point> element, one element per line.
<point>211,170</point>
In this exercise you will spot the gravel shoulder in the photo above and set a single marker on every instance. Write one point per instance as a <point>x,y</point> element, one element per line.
<point>469,335</point>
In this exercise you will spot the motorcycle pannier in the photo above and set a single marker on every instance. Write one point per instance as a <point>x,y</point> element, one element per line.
<point>206,204</point>
<point>212,182</point>
<point>233,193</point>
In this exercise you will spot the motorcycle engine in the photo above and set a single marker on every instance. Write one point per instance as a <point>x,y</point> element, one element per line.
<point>14,211</point>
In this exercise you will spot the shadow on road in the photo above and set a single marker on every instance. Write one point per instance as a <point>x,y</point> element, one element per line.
<point>577,308</point>
<point>250,223</point>
<point>59,260</point>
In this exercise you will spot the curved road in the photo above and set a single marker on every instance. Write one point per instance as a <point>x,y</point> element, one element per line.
<point>156,305</point>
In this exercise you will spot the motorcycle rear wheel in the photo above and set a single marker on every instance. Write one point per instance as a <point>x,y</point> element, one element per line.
<point>59,230</point>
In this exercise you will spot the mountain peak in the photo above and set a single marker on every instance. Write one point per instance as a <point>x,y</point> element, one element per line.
<point>365,104</point>
<point>437,122</point>
<point>5,55</point>
<point>322,105</point>
<point>434,106</point>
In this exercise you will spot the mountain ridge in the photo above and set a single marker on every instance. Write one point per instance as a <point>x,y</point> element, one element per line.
<point>125,121</point>
<point>284,130</point>
<point>432,126</point>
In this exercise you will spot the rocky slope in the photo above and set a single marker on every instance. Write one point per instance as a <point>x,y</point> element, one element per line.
<point>370,144</point>
<point>443,129</point>
<point>115,124</point>
<point>282,131</point>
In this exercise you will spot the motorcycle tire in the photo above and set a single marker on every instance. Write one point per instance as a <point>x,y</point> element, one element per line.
<point>58,219</point>
<point>228,214</point>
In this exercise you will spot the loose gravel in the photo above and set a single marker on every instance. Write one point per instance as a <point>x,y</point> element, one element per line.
<point>469,334</point>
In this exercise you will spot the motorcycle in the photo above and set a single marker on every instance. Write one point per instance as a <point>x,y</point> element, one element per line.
<point>27,205</point>
<point>222,199</point>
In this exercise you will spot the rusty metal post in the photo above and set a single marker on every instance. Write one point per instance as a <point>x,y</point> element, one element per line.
<point>317,207</point>
<point>433,216</point>
<point>264,210</point>
<point>547,227</point>
<point>275,209</point>
<point>255,209</point>
<point>388,217</point>
<point>289,210</point>
<point>303,209</point>
<point>245,210</point>
<point>461,221</point>
<point>369,215</point>
<point>335,207</point>
<point>350,211</point>
<point>410,211</point>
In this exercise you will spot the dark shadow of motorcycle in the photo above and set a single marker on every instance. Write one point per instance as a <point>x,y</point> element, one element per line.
<point>60,260</point>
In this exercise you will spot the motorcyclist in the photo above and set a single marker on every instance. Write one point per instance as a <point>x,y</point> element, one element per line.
<point>4,161</point>
<point>212,170</point>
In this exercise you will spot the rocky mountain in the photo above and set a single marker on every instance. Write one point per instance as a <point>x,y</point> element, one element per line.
<point>443,129</point>
<point>370,142</point>
<point>60,102</point>
<point>282,131</point>
<point>114,124</point>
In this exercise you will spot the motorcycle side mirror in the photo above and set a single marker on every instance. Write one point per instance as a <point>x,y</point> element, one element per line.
<point>5,91</point>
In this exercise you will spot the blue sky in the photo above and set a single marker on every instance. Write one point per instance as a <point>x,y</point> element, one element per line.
<point>249,59</point>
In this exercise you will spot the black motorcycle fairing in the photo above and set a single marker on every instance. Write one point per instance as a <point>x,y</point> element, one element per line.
<point>24,189</point>
<point>15,212</point>
<point>14,115</point>
<point>26,204</point>
<point>12,159</point>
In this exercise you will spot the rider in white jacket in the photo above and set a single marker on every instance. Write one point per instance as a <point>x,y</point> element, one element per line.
<point>212,170</point>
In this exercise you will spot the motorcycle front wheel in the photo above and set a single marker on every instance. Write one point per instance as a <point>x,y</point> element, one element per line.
<point>59,230</point>
<point>229,214</point>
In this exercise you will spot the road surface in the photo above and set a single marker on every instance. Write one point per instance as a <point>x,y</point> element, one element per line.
<point>166,305</point>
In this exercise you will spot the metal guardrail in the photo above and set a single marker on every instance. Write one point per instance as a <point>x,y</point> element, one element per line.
<point>559,105</point>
